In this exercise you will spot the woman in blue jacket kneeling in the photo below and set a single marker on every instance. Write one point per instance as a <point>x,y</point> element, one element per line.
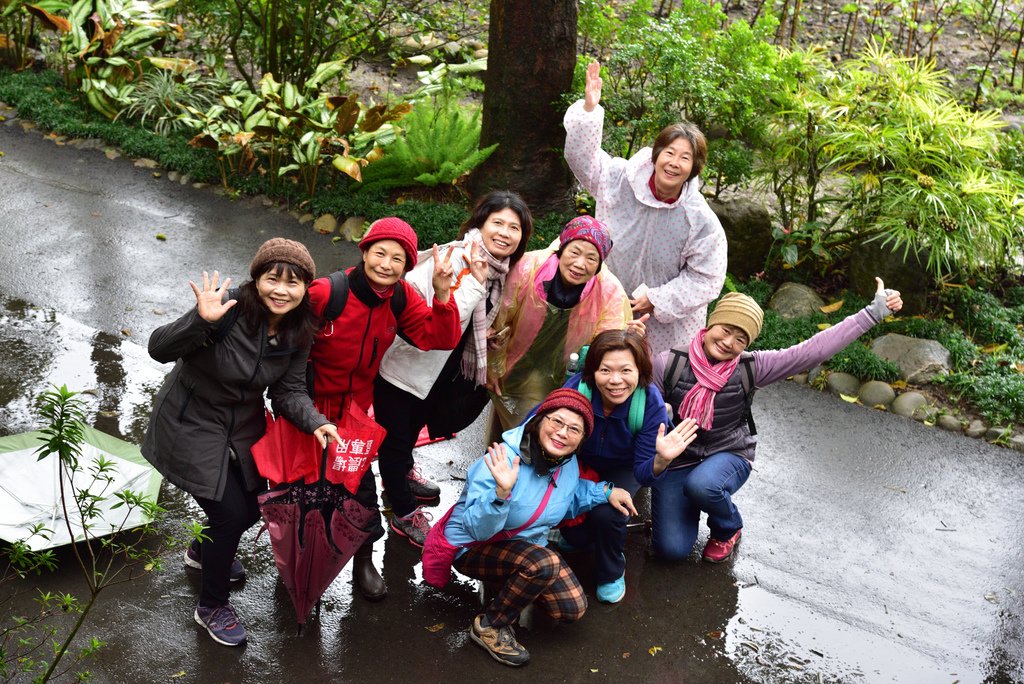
<point>513,496</point>
<point>628,411</point>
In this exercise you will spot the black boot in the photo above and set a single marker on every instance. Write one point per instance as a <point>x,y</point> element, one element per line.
<point>366,577</point>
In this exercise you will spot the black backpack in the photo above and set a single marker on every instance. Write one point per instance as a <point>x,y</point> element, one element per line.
<point>335,305</point>
<point>676,370</point>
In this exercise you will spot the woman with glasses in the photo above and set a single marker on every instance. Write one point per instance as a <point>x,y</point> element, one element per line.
<point>514,494</point>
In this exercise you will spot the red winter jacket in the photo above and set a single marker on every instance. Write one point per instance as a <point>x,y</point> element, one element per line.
<point>347,352</point>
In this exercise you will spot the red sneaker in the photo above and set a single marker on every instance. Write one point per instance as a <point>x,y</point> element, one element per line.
<point>718,551</point>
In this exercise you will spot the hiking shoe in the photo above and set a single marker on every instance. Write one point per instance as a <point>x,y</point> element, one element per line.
<point>612,592</point>
<point>222,624</point>
<point>422,488</point>
<point>413,527</point>
<point>718,551</point>
<point>500,642</point>
<point>194,559</point>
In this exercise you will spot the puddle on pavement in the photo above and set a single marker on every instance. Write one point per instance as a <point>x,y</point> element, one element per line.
<point>773,638</point>
<point>40,348</point>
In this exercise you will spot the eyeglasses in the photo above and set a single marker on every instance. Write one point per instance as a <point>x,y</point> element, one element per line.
<point>559,425</point>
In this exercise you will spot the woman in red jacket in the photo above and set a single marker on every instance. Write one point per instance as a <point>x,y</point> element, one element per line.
<point>347,351</point>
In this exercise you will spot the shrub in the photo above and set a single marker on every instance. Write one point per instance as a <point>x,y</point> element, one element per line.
<point>998,396</point>
<point>861,362</point>
<point>160,98</point>
<point>916,170</point>
<point>983,317</point>
<point>439,145</point>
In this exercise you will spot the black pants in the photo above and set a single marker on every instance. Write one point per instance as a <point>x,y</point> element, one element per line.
<point>229,518</point>
<point>604,529</point>
<point>403,415</point>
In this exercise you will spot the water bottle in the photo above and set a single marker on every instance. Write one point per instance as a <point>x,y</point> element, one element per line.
<point>574,364</point>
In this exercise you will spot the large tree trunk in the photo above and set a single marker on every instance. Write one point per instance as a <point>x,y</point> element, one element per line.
<point>530,62</point>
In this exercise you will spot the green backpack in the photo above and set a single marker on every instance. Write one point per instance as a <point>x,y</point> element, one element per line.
<point>636,409</point>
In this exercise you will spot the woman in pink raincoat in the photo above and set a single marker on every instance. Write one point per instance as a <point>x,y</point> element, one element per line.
<point>670,247</point>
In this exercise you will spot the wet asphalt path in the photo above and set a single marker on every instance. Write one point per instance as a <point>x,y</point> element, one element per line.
<point>875,549</point>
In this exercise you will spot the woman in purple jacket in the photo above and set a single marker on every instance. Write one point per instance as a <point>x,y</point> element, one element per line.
<point>707,384</point>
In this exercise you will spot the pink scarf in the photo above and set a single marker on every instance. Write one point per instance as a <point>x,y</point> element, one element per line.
<point>699,402</point>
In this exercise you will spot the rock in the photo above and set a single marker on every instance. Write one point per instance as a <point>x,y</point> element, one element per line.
<point>480,54</point>
<point>475,44</point>
<point>452,48</point>
<point>995,433</point>
<point>919,360</point>
<point>909,276</point>
<point>748,229</point>
<point>876,393</point>
<point>925,414</point>
<point>111,153</point>
<point>1013,122</point>
<point>793,300</point>
<point>1017,442</point>
<point>353,228</point>
<point>326,224</point>
<point>907,403</point>
<point>199,186</point>
<point>144,163</point>
<point>976,429</point>
<point>185,179</point>
<point>814,374</point>
<point>800,378</point>
<point>950,423</point>
<point>173,176</point>
<point>843,383</point>
<point>306,218</point>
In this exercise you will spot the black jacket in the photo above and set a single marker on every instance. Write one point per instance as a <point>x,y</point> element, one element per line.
<point>212,401</point>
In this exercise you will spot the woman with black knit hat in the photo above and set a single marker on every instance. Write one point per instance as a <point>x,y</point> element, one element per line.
<point>210,410</point>
<point>513,496</point>
<point>712,383</point>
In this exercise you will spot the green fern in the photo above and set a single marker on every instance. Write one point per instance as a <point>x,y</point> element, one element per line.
<point>439,147</point>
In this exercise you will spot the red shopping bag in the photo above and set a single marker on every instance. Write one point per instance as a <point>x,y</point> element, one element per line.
<point>286,453</point>
<point>349,458</point>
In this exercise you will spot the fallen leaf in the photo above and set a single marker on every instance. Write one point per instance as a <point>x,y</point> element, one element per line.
<point>625,654</point>
<point>126,332</point>
<point>901,490</point>
<point>178,674</point>
<point>161,237</point>
<point>594,669</point>
<point>717,634</point>
<point>831,308</point>
<point>96,214</point>
<point>156,174</point>
<point>995,348</point>
<point>751,645</point>
<point>654,649</point>
<point>436,628</point>
<point>847,398</point>
<point>991,597</point>
<point>1019,367</point>
<point>824,326</point>
<point>898,385</point>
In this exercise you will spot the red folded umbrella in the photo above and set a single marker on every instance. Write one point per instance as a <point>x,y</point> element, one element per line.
<point>309,552</point>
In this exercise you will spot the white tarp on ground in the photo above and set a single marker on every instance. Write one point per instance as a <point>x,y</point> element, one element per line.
<point>30,488</point>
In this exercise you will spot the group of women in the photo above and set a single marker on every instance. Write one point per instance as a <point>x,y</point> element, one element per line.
<point>662,398</point>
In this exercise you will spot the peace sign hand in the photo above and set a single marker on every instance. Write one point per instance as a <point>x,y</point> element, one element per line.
<point>478,263</point>
<point>442,279</point>
<point>210,300</point>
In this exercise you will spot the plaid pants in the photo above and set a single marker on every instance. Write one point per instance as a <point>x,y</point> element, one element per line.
<point>531,573</point>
